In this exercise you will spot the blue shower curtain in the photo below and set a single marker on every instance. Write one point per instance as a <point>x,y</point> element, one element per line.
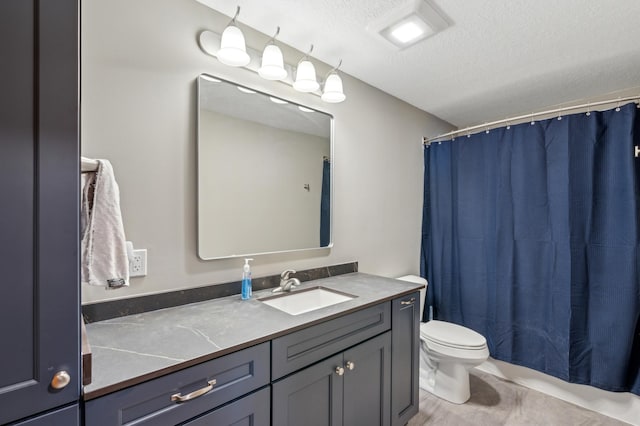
<point>325,204</point>
<point>530,237</point>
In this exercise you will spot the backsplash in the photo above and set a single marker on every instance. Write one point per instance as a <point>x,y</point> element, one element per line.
<point>118,308</point>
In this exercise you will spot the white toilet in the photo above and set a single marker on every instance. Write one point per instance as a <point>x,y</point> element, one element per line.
<point>447,352</point>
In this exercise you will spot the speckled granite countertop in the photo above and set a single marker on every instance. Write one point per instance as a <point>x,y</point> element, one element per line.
<point>129,350</point>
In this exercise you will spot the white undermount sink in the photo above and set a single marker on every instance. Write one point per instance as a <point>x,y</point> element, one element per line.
<point>301,301</point>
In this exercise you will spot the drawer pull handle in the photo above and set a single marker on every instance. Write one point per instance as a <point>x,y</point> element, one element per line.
<point>408,302</point>
<point>350,365</point>
<point>339,371</point>
<point>176,397</point>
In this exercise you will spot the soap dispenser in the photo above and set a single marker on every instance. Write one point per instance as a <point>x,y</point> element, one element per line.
<point>246,280</point>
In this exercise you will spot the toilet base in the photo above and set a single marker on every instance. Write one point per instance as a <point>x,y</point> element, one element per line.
<point>449,381</point>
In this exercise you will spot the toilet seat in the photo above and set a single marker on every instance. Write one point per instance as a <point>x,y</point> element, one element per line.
<point>453,336</point>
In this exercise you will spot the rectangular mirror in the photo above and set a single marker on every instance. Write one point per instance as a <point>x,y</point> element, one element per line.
<point>264,173</point>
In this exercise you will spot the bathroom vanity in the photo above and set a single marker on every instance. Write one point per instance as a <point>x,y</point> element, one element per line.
<point>226,361</point>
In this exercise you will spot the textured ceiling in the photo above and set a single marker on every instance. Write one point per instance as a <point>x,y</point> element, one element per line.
<point>499,58</point>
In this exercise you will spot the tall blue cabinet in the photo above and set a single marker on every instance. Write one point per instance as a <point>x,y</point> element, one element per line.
<point>39,308</point>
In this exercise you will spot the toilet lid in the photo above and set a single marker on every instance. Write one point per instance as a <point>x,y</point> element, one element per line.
<point>452,335</point>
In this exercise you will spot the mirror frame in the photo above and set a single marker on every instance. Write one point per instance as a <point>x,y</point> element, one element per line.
<point>198,171</point>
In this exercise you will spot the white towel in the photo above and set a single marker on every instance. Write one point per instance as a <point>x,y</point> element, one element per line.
<point>104,251</point>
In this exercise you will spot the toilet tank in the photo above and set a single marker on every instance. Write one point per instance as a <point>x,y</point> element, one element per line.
<point>418,280</point>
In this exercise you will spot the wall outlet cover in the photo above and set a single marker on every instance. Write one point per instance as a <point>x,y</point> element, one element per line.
<point>138,264</point>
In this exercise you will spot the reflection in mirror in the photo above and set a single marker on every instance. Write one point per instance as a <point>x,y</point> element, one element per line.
<point>264,167</point>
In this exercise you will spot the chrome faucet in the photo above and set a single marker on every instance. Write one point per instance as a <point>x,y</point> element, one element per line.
<point>286,283</point>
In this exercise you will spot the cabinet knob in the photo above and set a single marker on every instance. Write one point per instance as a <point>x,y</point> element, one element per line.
<point>339,371</point>
<point>350,365</point>
<point>408,302</point>
<point>60,380</point>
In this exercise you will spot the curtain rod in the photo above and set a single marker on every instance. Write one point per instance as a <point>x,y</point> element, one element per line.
<point>427,141</point>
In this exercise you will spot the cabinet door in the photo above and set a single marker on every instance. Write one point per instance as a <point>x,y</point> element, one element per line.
<point>310,397</point>
<point>251,410</point>
<point>39,181</point>
<point>405,313</point>
<point>367,382</point>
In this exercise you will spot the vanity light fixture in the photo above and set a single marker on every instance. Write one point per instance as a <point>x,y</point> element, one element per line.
<point>306,75</point>
<point>332,91</point>
<point>233,50</point>
<point>272,61</point>
<point>230,49</point>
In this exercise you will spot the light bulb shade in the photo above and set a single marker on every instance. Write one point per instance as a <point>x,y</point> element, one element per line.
<point>306,77</point>
<point>233,51</point>
<point>333,92</point>
<point>272,64</point>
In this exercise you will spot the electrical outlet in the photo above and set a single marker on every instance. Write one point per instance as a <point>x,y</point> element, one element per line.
<point>138,265</point>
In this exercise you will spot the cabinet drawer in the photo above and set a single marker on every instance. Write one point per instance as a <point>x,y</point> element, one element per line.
<point>68,416</point>
<point>251,410</point>
<point>150,403</point>
<point>304,347</point>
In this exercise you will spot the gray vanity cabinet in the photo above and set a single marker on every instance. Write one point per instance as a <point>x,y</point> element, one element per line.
<point>39,181</point>
<point>359,368</point>
<point>350,388</point>
<point>341,371</point>
<point>405,343</point>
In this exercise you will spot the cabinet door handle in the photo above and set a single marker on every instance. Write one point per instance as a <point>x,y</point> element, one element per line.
<point>176,397</point>
<point>408,302</point>
<point>350,365</point>
<point>339,371</point>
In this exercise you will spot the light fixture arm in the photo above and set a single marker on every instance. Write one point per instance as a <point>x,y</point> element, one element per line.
<point>273,38</point>
<point>233,20</point>
<point>306,55</point>
<point>335,69</point>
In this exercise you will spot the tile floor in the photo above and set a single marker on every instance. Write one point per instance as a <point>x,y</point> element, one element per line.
<point>495,401</point>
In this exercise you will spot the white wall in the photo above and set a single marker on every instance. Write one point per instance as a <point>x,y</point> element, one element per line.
<point>140,60</point>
